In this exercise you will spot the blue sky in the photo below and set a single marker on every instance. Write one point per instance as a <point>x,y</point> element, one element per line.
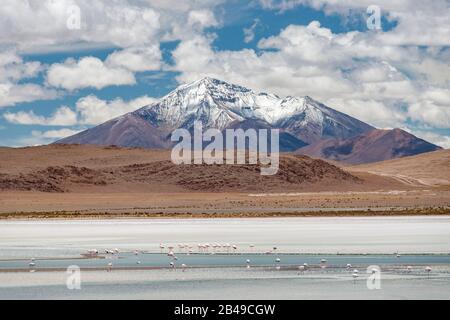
<point>393,77</point>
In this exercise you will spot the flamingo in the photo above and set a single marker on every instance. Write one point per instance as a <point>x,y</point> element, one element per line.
<point>349,266</point>
<point>183,266</point>
<point>301,268</point>
<point>109,267</point>
<point>92,252</point>
<point>277,261</point>
<point>408,269</point>
<point>161,247</point>
<point>172,265</point>
<point>305,265</point>
<point>428,270</point>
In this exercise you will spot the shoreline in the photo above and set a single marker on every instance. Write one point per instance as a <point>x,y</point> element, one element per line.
<point>325,212</point>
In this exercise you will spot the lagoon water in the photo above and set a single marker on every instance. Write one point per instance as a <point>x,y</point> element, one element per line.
<point>222,273</point>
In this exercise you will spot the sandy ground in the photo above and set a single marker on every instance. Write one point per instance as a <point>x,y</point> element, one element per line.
<point>221,204</point>
<point>135,185</point>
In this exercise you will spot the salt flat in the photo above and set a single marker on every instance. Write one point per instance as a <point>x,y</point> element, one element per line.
<point>59,238</point>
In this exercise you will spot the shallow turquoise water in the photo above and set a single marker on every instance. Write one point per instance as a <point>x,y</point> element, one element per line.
<point>362,242</point>
<point>130,260</point>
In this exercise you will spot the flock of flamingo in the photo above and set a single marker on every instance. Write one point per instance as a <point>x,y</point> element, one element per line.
<point>213,248</point>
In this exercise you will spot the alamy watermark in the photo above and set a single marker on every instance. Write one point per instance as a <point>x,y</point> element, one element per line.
<point>73,281</point>
<point>74,18</point>
<point>373,21</point>
<point>236,146</point>
<point>374,279</point>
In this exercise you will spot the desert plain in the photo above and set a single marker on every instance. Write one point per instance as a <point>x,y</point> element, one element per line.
<point>74,181</point>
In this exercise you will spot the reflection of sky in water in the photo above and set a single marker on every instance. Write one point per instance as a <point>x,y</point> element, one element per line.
<point>130,260</point>
<point>229,283</point>
<point>60,239</point>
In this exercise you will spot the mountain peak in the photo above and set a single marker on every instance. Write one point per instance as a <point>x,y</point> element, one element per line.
<point>208,84</point>
<point>217,104</point>
<point>221,105</point>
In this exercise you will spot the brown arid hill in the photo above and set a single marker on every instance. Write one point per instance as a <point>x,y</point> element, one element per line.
<point>426,170</point>
<point>91,181</point>
<point>373,146</point>
<point>66,168</point>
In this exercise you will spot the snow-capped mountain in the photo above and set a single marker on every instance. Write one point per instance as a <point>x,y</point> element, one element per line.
<point>218,104</point>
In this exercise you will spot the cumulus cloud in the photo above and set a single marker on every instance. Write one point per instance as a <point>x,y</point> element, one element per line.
<point>13,93</point>
<point>63,116</point>
<point>54,134</point>
<point>425,23</point>
<point>136,59</point>
<point>33,25</point>
<point>43,25</point>
<point>249,33</point>
<point>93,111</point>
<point>385,78</point>
<point>135,28</point>
<point>87,72</point>
<point>430,113</point>
<point>348,71</point>
<point>38,138</point>
<point>89,110</point>
<point>13,71</point>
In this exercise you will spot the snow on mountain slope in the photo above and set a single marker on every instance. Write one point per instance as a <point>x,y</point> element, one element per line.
<point>218,104</point>
<point>302,121</point>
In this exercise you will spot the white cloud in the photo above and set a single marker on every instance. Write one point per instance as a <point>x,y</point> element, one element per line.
<point>63,116</point>
<point>134,27</point>
<point>136,59</point>
<point>36,26</point>
<point>38,138</point>
<point>13,70</point>
<point>87,72</point>
<point>425,23</point>
<point>201,19</point>
<point>54,134</point>
<point>376,113</point>
<point>348,71</point>
<point>430,113</point>
<point>249,33</point>
<point>12,67</point>
<point>93,111</point>
<point>89,110</point>
<point>11,94</point>
<point>436,138</point>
